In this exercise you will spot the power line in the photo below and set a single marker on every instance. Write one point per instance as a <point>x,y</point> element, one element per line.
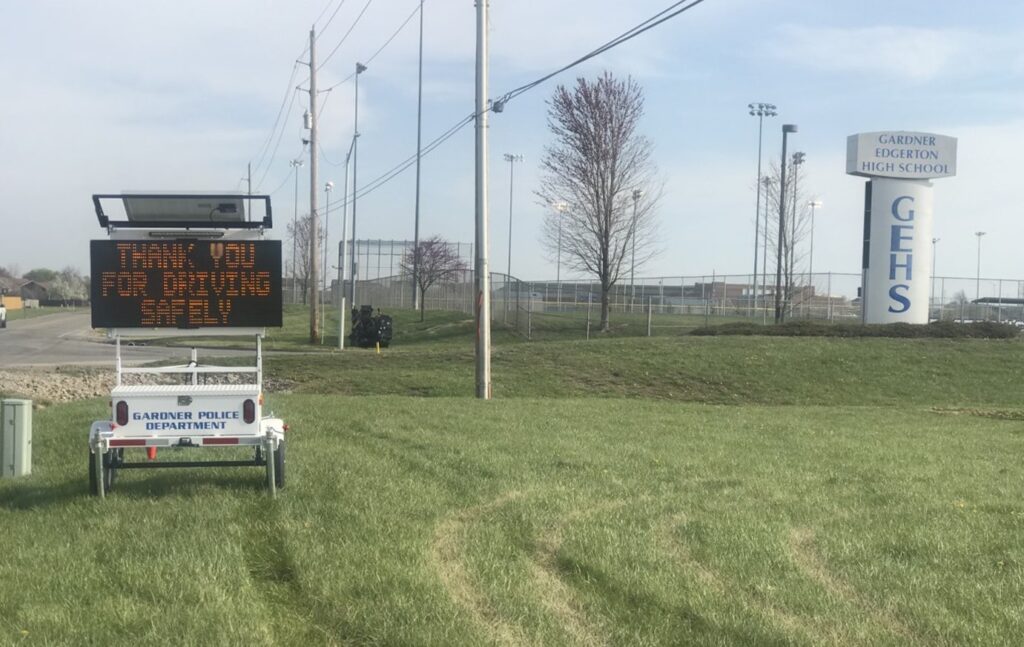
<point>277,119</point>
<point>343,38</point>
<point>280,135</point>
<point>644,26</point>
<point>647,24</point>
<point>324,10</point>
<point>379,49</point>
<point>320,31</point>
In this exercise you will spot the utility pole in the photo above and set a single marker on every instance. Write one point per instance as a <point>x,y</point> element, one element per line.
<point>314,219</point>
<point>482,282</point>
<point>419,154</point>
<point>343,252</point>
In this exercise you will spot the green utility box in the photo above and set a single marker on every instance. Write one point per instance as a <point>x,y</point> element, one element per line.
<point>15,437</point>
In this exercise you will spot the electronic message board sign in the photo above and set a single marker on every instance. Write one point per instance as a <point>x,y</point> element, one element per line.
<point>185,283</point>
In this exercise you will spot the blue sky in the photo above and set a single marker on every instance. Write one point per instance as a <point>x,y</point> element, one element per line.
<point>113,95</point>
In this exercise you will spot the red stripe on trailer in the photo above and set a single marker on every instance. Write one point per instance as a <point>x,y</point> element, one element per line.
<point>128,442</point>
<point>220,441</point>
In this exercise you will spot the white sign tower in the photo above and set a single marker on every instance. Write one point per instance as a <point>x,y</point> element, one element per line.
<point>896,266</point>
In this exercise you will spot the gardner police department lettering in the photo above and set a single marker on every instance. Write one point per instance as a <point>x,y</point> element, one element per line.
<point>182,420</point>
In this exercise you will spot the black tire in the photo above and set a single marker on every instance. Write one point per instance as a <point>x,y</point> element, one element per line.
<point>108,474</point>
<point>279,466</point>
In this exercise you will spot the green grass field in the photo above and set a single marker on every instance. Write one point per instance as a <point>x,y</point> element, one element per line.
<point>677,490</point>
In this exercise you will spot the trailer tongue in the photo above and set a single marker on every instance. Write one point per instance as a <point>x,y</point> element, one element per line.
<point>167,269</point>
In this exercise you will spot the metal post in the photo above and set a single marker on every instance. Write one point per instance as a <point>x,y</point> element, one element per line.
<point>511,159</point>
<point>977,284</point>
<point>295,164</point>
<point>786,129</point>
<point>419,155</point>
<point>327,242</point>
<point>933,301</point>
<point>482,271</point>
<point>764,255</point>
<point>360,68</point>
<point>650,310</point>
<point>632,234</point>
<point>314,217</point>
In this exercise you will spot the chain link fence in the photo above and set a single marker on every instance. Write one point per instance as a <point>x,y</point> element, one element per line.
<point>674,305</point>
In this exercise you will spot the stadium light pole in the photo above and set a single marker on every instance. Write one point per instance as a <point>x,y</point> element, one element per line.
<point>511,158</point>
<point>360,68</point>
<point>759,110</point>
<point>977,284</point>
<point>295,164</point>
<point>786,129</point>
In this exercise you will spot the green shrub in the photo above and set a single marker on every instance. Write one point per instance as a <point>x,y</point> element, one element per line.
<point>804,328</point>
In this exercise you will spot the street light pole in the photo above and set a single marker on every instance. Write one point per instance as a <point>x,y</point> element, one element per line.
<point>511,159</point>
<point>295,164</point>
<point>360,68</point>
<point>786,129</point>
<point>632,269</point>
<point>760,110</point>
<point>977,284</point>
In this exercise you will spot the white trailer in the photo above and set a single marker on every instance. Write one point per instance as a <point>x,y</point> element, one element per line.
<point>188,266</point>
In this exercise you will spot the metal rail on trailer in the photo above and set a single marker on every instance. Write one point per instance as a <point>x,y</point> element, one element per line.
<point>168,271</point>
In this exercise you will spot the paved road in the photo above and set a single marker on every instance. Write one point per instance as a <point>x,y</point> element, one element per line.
<point>67,339</point>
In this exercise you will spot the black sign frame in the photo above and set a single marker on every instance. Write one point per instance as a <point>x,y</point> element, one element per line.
<point>186,283</point>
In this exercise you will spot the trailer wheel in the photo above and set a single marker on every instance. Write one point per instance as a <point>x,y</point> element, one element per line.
<point>279,465</point>
<point>108,474</point>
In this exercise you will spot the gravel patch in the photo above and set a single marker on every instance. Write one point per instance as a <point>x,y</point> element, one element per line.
<point>67,384</point>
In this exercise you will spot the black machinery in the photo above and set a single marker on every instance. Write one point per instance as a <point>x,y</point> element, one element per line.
<point>368,329</point>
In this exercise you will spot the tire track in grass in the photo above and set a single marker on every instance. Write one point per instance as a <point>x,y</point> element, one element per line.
<point>446,555</point>
<point>790,623</point>
<point>555,595</point>
<point>810,563</point>
<point>275,576</point>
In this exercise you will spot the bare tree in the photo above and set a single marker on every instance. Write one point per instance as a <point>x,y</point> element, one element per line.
<point>596,165</point>
<point>436,261</point>
<point>796,234</point>
<point>299,231</point>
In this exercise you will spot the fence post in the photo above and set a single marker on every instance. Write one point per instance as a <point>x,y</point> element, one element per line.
<point>828,288</point>
<point>529,318</point>
<point>650,309</point>
<point>999,308</point>
<point>590,300</point>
